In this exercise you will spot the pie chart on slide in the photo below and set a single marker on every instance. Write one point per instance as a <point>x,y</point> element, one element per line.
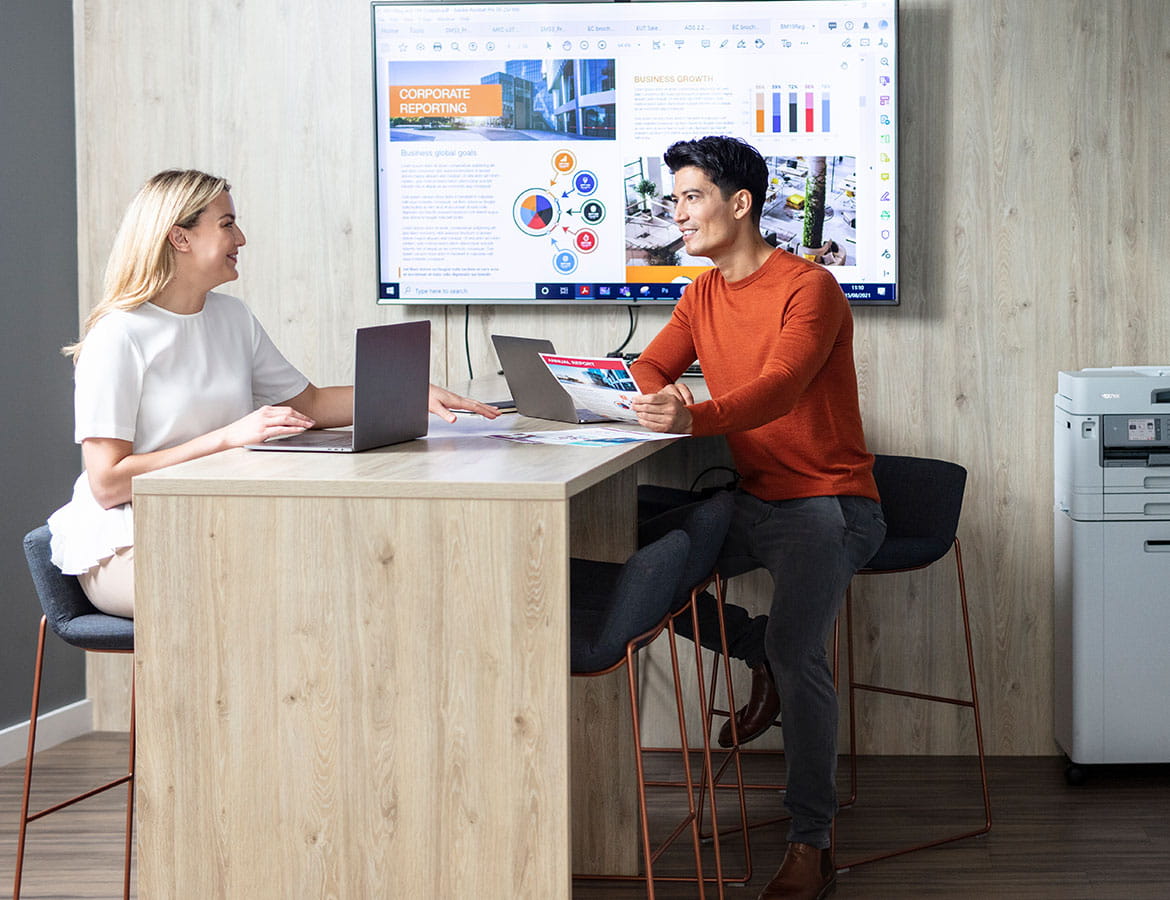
<point>535,211</point>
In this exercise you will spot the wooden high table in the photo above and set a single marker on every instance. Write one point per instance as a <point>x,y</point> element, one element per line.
<point>352,671</point>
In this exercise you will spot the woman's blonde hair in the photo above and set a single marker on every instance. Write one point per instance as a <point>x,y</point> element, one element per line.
<point>142,260</point>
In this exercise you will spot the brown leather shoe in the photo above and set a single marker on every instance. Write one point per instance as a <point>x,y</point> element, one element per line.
<point>755,716</point>
<point>807,873</point>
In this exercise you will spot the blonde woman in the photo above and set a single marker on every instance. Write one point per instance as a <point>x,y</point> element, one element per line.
<point>169,370</point>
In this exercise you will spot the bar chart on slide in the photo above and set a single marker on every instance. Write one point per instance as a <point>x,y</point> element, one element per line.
<point>804,109</point>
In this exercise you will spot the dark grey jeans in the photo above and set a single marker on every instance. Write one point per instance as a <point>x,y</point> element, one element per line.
<point>812,547</point>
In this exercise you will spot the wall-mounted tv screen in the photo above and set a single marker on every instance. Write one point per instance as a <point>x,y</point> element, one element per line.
<point>519,145</point>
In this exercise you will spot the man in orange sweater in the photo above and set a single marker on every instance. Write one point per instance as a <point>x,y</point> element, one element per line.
<point>774,335</point>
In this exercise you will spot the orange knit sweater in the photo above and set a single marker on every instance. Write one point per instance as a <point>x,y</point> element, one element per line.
<point>777,353</point>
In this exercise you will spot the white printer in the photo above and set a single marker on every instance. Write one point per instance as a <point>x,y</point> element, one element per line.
<point>1112,566</point>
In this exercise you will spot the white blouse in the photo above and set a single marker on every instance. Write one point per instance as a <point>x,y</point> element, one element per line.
<point>158,379</point>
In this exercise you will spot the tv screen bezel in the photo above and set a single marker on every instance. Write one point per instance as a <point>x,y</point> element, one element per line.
<point>636,296</point>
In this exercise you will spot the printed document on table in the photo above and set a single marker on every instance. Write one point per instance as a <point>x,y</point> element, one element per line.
<point>602,385</point>
<point>584,437</point>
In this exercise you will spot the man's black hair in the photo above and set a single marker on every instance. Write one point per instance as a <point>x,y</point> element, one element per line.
<point>731,163</point>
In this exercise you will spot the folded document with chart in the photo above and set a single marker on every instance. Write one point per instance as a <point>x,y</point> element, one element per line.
<point>602,385</point>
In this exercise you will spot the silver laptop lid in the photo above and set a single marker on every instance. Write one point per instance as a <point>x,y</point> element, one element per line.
<point>535,389</point>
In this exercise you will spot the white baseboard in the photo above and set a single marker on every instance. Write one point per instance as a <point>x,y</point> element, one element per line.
<point>53,728</point>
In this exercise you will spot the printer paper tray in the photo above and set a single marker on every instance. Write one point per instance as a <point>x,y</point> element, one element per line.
<point>1134,479</point>
<point>1137,506</point>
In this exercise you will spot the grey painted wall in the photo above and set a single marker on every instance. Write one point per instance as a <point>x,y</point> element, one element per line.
<point>38,301</point>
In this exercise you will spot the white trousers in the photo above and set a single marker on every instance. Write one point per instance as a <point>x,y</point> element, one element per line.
<point>110,584</point>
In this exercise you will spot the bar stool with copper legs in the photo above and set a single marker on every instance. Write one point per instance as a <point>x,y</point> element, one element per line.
<point>618,609</point>
<point>921,501</point>
<point>73,618</point>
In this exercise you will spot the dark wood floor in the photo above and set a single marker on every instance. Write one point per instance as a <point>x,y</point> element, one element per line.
<point>1108,838</point>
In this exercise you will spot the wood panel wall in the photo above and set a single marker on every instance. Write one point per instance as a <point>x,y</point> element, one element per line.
<point>1033,233</point>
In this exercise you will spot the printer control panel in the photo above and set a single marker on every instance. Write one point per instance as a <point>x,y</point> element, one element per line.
<point>1141,439</point>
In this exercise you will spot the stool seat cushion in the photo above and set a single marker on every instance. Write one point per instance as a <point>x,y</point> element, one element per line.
<point>67,610</point>
<point>907,553</point>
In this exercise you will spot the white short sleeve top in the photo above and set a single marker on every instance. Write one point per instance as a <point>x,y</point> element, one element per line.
<point>157,379</point>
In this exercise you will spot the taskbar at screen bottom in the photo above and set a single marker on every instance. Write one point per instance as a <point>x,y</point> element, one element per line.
<point>867,293</point>
<point>858,293</point>
<point>552,292</point>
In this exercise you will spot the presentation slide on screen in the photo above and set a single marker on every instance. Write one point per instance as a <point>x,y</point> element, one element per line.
<point>520,156</point>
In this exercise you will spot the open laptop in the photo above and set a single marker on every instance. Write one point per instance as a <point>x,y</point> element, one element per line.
<point>535,389</point>
<point>390,393</point>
